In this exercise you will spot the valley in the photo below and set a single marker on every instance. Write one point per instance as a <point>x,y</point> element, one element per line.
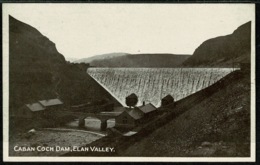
<point>141,105</point>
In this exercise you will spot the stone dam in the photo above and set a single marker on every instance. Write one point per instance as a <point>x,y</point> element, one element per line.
<point>152,84</point>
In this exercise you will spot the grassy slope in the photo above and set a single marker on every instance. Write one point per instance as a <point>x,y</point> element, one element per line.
<point>222,119</point>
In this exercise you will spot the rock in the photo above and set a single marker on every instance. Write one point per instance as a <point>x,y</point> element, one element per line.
<point>32,131</point>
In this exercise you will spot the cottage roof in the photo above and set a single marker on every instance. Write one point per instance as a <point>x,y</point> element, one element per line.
<point>147,108</point>
<point>51,102</point>
<point>35,107</point>
<point>168,98</point>
<point>132,96</point>
<point>135,113</point>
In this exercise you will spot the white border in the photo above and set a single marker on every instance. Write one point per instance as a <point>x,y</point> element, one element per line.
<point>7,158</point>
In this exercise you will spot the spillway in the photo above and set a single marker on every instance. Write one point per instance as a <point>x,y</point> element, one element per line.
<point>152,84</point>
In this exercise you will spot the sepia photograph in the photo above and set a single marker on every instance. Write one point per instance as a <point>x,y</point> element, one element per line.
<point>129,82</point>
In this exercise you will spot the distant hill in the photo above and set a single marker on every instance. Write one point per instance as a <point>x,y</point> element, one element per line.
<point>38,71</point>
<point>223,51</point>
<point>137,60</point>
<point>100,57</point>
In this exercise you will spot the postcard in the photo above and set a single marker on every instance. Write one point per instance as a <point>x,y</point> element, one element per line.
<point>129,82</point>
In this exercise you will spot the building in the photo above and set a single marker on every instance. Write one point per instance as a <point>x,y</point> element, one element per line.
<point>132,117</point>
<point>148,109</point>
<point>34,110</point>
<point>39,109</point>
<point>129,118</point>
<point>167,100</point>
<point>52,104</point>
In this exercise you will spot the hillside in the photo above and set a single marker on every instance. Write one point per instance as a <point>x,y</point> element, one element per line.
<point>38,71</point>
<point>99,57</point>
<point>214,122</point>
<point>217,125</point>
<point>138,60</point>
<point>223,51</point>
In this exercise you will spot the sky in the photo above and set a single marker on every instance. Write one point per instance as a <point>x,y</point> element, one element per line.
<point>84,30</point>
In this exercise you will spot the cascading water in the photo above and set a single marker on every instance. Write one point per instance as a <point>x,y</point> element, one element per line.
<point>152,84</point>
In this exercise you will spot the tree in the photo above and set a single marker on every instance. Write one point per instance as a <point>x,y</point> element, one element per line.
<point>131,100</point>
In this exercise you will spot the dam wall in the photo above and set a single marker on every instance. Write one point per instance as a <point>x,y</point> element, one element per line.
<point>152,84</point>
